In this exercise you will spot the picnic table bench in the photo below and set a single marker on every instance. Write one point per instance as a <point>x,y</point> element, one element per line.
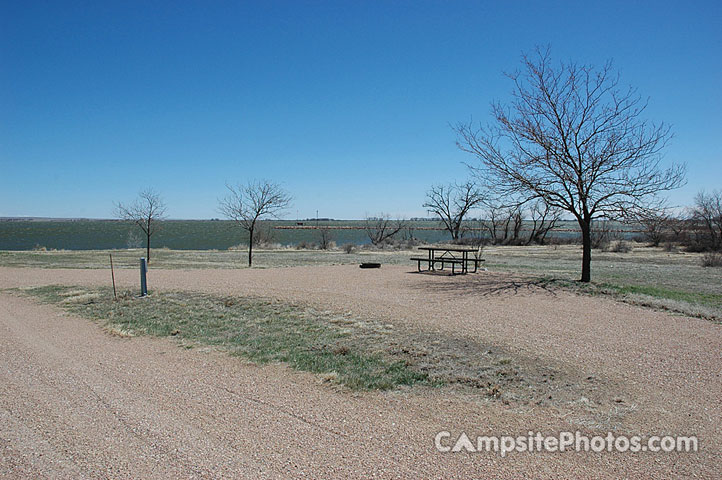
<point>449,255</point>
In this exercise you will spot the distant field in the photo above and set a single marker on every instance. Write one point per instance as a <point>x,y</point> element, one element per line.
<point>650,276</point>
<point>193,234</point>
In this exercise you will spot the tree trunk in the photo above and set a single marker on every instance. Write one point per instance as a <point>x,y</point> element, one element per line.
<point>250,247</point>
<point>147,248</point>
<point>586,226</point>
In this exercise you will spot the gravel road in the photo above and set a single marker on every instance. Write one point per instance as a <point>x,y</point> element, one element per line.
<point>76,402</point>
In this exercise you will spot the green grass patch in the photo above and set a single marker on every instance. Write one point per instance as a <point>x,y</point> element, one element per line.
<point>261,330</point>
<point>679,295</point>
<point>702,298</point>
<point>360,353</point>
<point>694,304</point>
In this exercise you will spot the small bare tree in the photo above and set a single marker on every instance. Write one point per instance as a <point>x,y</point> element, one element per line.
<point>146,211</point>
<point>707,218</point>
<point>381,229</point>
<point>493,221</point>
<point>656,224</point>
<point>325,238</point>
<point>574,138</point>
<point>248,204</point>
<point>602,234</point>
<point>543,219</point>
<point>451,203</point>
<point>503,220</point>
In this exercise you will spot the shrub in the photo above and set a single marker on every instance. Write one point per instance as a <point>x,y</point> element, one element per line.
<point>304,245</point>
<point>622,246</point>
<point>264,236</point>
<point>603,235</point>
<point>325,239</point>
<point>349,247</point>
<point>712,259</point>
<point>601,245</point>
<point>670,247</point>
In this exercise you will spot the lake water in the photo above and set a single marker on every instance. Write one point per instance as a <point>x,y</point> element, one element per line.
<point>187,234</point>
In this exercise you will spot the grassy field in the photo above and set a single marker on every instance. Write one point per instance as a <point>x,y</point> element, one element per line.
<point>357,353</point>
<point>165,258</point>
<point>674,281</point>
<point>261,330</point>
<point>649,276</point>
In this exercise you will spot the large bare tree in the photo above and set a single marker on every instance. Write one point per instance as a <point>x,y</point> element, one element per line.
<point>251,203</point>
<point>574,137</point>
<point>146,211</point>
<point>451,203</point>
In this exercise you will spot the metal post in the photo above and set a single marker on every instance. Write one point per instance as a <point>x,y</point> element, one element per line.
<point>112,273</point>
<point>143,283</point>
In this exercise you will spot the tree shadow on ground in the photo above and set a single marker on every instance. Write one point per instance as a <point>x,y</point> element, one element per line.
<point>485,284</point>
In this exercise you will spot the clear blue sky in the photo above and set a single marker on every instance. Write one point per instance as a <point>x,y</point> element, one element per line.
<point>346,104</point>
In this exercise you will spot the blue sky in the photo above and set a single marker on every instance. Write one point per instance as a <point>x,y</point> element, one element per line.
<point>346,104</point>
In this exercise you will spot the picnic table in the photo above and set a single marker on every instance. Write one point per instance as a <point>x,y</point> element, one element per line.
<point>449,255</point>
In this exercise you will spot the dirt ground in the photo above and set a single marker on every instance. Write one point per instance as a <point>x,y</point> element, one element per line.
<point>77,402</point>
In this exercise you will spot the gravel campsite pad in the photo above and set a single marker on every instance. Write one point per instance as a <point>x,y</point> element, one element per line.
<point>81,399</point>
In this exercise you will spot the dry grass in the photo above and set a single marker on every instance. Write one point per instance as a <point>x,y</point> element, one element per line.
<point>119,331</point>
<point>197,259</point>
<point>80,299</point>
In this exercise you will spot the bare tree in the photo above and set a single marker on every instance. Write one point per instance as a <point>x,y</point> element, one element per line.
<point>146,211</point>
<point>656,224</point>
<point>679,225</point>
<point>543,219</point>
<point>451,203</point>
<point>380,229</point>
<point>503,220</point>
<point>575,138</point>
<point>707,218</point>
<point>325,238</point>
<point>248,204</point>
<point>602,234</point>
<point>492,221</point>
